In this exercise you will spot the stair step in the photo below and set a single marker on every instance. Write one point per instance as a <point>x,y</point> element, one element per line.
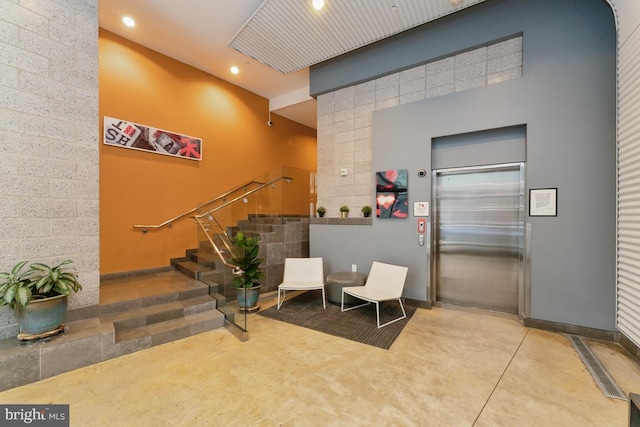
<point>187,267</point>
<point>229,313</point>
<point>152,300</point>
<point>174,329</point>
<point>159,313</point>
<point>221,300</point>
<point>191,254</point>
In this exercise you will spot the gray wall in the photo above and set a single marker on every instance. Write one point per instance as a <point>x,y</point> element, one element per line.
<point>566,99</point>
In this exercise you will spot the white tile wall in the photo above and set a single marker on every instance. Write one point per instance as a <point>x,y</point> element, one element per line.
<point>345,116</point>
<point>49,200</point>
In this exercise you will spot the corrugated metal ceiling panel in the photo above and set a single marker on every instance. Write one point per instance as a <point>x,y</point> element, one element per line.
<point>289,35</point>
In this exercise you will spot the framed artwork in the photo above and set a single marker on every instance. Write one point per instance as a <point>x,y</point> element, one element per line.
<point>543,202</point>
<point>392,199</point>
<point>140,137</point>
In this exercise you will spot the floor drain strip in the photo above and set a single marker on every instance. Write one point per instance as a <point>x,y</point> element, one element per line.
<point>598,372</point>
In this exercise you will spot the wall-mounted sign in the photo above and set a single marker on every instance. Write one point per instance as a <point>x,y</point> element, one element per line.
<point>140,137</point>
<point>420,208</point>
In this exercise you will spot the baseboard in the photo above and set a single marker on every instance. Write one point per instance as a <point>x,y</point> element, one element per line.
<point>124,274</point>
<point>418,303</point>
<point>599,334</point>
<point>628,345</point>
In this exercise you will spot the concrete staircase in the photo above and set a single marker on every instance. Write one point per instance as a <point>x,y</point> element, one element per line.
<point>280,237</point>
<point>205,266</point>
<point>154,320</point>
<point>113,329</point>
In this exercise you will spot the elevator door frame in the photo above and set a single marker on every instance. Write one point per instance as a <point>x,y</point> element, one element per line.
<point>523,288</point>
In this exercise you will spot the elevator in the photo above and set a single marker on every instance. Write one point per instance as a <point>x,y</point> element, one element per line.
<point>479,236</point>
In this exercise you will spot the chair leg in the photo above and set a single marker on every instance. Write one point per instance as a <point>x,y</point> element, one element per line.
<point>284,295</point>
<point>404,314</point>
<point>324,303</point>
<point>351,308</point>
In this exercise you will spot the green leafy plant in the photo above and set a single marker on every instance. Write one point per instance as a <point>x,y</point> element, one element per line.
<point>37,282</point>
<point>321,211</point>
<point>366,211</point>
<point>246,261</point>
<point>344,208</point>
<point>16,286</point>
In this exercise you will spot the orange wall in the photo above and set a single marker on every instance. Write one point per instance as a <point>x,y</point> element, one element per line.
<point>143,86</point>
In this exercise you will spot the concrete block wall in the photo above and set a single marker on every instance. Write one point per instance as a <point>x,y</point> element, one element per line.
<point>49,193</point>
<point>345,116</point>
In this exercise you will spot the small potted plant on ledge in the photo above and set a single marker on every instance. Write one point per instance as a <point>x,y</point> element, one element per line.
<point>366,211</point>
<point>321,211</point>
<point>344,211</point>
<point>38,296</point>
<point>247,271</point>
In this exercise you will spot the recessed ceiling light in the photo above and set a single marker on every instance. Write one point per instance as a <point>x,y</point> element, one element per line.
<point>318,4</point>
<point>128,21</point>
<point>235,70</point>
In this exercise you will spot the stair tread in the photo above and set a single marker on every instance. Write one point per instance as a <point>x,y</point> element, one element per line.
<point>151,300</point>
<point>189,264</point>
<point>172,326</point>
<point>159,312</point>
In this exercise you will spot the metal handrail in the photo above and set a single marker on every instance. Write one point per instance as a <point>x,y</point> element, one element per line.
<point>197,218</point>
<point>215,247</point>
<point>288,179</point>
<point>169,222</point>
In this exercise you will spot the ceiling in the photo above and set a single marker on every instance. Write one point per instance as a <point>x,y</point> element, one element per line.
<point>289,35</point>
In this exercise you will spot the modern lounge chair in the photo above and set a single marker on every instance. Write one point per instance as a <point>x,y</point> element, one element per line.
<point>302,274</point>
<point>385,283</point>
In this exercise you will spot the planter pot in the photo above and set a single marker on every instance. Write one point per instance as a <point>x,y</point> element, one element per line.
<point>248,298</point>
<point>42,315</point>
<point>344,214</point>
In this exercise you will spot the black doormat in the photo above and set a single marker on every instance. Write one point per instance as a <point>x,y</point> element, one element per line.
<point>357,325</point>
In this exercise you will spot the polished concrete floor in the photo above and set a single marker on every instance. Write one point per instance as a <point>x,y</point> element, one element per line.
<point>448,368</point>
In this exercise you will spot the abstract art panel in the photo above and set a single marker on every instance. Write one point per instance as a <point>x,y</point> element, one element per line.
<point>139,137</point>
<point>392,199</point>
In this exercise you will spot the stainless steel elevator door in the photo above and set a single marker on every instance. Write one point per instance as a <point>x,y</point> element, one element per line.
<point>478,237</point>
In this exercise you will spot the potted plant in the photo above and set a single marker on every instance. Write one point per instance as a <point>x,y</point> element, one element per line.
<point>38,296</point>
<point>366,211</point>
<point>247,271</point>
<point>321,211</point>
<point>344,211</point>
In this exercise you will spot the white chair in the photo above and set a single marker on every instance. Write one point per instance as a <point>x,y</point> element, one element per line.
<point>302,274</point>
<point>384,283</point>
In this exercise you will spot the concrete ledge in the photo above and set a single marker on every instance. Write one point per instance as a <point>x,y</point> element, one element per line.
<point>342,221</point>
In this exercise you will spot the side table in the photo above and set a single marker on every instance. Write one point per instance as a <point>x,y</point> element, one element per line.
<point>337,281</point>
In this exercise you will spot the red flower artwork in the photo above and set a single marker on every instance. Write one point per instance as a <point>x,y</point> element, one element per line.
<point>391,194</point>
